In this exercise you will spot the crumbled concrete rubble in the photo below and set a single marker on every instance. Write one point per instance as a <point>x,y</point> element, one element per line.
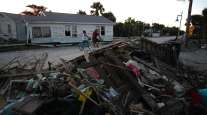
<point>116,80</point>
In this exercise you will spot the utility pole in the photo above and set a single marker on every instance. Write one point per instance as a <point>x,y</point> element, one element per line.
<point>189,17</point>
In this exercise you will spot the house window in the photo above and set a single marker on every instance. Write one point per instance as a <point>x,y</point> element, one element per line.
<point>46,32</point>
<point>9,28</point>
<point>67,31</point>
<point>74,31</point>
<point>36,32</point>
<point>41,32</point>
<point>102,30</point>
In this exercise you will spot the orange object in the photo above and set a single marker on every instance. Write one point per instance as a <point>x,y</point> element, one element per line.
<point>191,29</point>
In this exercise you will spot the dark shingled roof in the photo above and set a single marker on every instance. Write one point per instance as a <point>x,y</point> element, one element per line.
<point>60,17</point>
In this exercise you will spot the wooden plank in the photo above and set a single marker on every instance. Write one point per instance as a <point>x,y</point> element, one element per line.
<point>147,65</point>
<point>28,74</point>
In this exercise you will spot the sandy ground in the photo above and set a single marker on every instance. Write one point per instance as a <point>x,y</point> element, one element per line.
<point>54,54</point>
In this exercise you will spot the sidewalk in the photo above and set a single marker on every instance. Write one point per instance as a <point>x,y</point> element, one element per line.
<point>196,59</point>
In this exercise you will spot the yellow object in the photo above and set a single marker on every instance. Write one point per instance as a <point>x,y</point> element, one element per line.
<point>87,92</point>
<point>191,29</point>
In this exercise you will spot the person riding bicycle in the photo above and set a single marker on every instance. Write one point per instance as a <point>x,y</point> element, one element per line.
<point>85,40</point>
<point>95,38</point>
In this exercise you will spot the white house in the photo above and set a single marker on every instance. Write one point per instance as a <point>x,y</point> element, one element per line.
<point>53,27</point>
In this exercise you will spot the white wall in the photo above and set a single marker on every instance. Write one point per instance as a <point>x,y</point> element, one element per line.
<point>4,21</point>
<point>58,33</point>
<point>109,33</point>
<point>90,29</point>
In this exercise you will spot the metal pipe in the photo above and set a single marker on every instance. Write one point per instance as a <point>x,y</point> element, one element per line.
<point>181,16</point>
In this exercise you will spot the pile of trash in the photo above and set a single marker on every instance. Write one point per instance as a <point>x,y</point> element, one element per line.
<point>115,80</point>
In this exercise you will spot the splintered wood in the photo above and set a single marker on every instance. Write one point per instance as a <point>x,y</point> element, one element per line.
<point>23,66</point>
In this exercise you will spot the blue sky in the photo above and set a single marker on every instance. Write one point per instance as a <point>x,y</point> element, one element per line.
<point>161,11</point>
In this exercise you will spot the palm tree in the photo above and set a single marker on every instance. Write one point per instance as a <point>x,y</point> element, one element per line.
<point>204,12</point>
<point>110,16</point>
<point>36,10</point>
<point>197,21</point>
<point>98,9</point>
<point>81,12</point>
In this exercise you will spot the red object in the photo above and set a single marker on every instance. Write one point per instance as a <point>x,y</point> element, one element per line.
<point>94,37</point>
<point>93,73</point>
<point>196,98</point>
<point>134,69</point>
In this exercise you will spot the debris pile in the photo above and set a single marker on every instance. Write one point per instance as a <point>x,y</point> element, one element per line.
<point>20,66</point>
<point>115,80</point>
